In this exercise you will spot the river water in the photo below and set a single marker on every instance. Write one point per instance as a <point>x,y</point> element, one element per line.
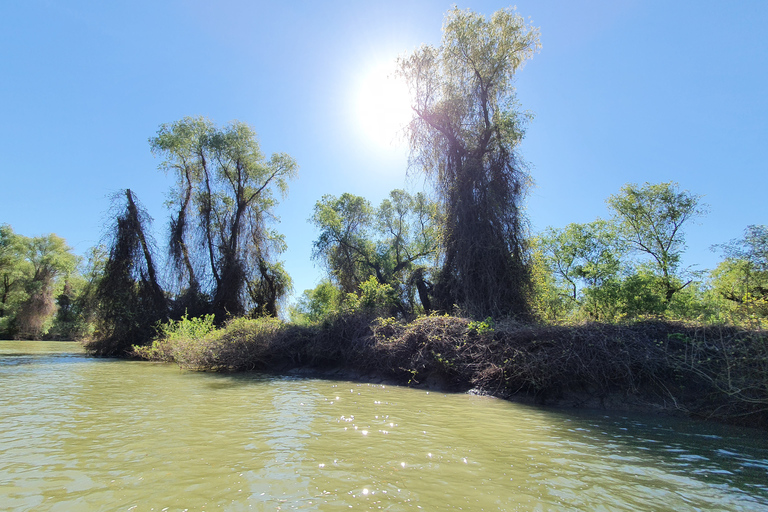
<point>82,434</point>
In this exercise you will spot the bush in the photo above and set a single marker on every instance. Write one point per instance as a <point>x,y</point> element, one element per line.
<point>242,344</point>
<point>175,337</point>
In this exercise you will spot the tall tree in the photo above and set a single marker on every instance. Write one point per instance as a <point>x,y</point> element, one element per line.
<point>224,198</point>
<point>652,219</point>
<point>464,135</point>
<point>129,297</point>
<point>345,243</point>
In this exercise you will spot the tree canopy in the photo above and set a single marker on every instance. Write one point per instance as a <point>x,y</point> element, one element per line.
<point>221,243</point>
<point>393,244</point>
<point>742,277</point>
<point>651,220</point>
<point>128,296</point>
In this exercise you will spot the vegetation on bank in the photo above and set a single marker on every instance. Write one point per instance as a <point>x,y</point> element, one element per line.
<point>601,308</point>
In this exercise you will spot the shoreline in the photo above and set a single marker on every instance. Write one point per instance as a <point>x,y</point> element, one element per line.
<point>712,373</point>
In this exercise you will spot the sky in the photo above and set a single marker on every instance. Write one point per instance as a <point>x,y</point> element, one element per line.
<point>622,91</point>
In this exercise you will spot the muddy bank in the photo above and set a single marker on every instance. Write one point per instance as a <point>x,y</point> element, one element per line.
<point>438,383</point>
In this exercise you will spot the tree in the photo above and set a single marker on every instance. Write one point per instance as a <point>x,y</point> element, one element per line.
<point>79,320</point>
<point>316,304</point>
<point>464,136</point>
<point>549,303</point>
<point>50,257</point>
<point>220,243</point>
<point>409,226</point>
<point>345,242</point>
<point>742,278</point>
<point>753,248</point>
<point>268,288</point>
<point>129,297</point>
<point>392,244</point>
<point>651,219</point>
<point>14,271</point>
<point>586,261</point>
<point>34,273</point>
<point>71,321</point>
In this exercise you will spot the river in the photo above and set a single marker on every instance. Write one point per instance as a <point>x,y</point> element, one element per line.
<point>86,434</point>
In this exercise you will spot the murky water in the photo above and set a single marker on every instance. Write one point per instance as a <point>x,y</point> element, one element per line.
<point>80,434</point>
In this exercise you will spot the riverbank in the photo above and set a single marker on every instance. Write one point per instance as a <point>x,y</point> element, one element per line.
<point>710,372</point>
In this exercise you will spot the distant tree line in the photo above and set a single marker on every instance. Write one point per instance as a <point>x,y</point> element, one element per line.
<point>627,267</point>
<point>630,265</point>
<point>40,287</point>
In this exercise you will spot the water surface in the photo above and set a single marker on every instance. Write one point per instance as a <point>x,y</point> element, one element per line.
<point>85,434</point>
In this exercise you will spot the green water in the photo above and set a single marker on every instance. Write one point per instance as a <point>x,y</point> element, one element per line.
<point>81,434</point>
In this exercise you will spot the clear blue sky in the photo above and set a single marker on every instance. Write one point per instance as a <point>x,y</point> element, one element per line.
<point>622,91</point>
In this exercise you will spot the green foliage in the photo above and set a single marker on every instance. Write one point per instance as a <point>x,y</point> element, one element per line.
<point>373,297</point>
<point>393,244</point>
<point>15,272</point>
<point>651,220</point>
<point>33,273</point>
<point>187,328</point>
<point>548,301</point>
<point>585,261</point>
<point>464,136</point>
<point>639,294</point>
<point>694,303</point>
<point>345,242</point>
<point>316,305</point>
<point>51,259</point>
<point>480,328</point>
<point>269,288</point>
<point>197,344</point>
<point>741,280</point>
<point>590,266</point>
<point>74,318</point>
<point>376,295</point>
<point>173,334</point>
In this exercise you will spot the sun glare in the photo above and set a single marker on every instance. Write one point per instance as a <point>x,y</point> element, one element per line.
<point>383,105</point>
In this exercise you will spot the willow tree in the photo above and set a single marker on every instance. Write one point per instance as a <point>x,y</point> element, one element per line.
<point>464,135</point>
<point>220,240</point>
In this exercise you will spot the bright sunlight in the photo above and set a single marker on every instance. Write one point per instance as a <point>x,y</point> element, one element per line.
<point>383,105</point>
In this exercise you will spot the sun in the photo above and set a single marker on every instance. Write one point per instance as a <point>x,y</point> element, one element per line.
<point>383,105</point>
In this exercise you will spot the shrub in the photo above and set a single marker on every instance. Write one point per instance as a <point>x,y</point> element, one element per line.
<point>176,336</point>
